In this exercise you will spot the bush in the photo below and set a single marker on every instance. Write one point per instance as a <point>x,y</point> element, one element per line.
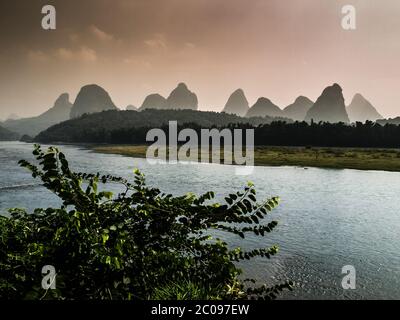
<point>138,244</point>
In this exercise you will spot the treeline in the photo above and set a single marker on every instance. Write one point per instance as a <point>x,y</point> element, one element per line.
<point>290,134</point>
<point>131,127</point>
<point>107,126</point>
<point>329,135</point>
<point>277,133</point>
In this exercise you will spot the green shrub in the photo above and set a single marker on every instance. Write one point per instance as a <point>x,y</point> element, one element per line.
<point>138,244</point>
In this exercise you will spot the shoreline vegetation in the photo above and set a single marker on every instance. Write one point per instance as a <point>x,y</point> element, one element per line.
<point>320,157</point>
<point>137,244</point>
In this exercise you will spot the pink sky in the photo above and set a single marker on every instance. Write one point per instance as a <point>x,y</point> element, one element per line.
<point>272,48</point>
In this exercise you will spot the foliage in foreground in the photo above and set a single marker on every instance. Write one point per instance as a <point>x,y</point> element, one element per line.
<point>138,244</point>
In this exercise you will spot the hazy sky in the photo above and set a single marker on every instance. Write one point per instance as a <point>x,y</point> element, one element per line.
<point>273,48</point>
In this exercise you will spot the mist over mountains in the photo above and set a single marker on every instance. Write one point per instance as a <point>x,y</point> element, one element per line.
<point>360,109</point>
<point>131,107</point>
<point>329,107</point>
<point>264,107</point>
<point>91,99</point>
<point>237,104</point>
<point>180,98</point>
<point>298,109</point>
<point>59,112</point>
<point>154,101</point>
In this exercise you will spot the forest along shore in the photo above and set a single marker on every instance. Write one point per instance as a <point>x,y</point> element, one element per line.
<point>322,157</point>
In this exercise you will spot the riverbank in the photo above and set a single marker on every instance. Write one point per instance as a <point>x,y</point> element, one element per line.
<point>335,158</point>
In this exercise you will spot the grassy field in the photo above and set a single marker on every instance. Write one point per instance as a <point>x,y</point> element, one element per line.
<point>339,158</point>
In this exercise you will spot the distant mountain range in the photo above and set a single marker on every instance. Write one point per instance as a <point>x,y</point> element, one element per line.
<point>13,116</point>
<point>154,101</point>
<point>362,110</point>
<point>180,98</point>
<point>237,104</point>
<point>59,112</point>
<point>264,107</point>
<point>131,107</point>
<point>329,107</point>
<point>91,99</point>
<point>298,109</point>
<point>395,121</point>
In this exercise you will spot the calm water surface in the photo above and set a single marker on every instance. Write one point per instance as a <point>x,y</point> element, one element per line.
<point>327,218</point>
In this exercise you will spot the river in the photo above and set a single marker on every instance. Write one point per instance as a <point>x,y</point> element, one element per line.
<point>328,218</point>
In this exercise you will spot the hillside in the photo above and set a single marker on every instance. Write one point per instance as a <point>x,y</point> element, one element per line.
<point>360,109</point>
<point>154,101</point>
<point>237,103</point>
<point>264,107</point>
<point>298,109</point>
<point>91,99</point>
<point>329,107</point>
<point>182,98</point>
<point>7,135</point>
<point>99,127</point>
<point>32,126</point>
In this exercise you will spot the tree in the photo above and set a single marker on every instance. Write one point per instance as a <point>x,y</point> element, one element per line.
<point>138,244</point>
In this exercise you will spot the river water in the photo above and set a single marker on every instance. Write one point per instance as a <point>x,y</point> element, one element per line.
<point>328,218</point>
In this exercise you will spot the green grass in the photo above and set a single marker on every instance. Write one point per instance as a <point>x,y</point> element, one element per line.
<point>338,158</point>
<point>186,290</point>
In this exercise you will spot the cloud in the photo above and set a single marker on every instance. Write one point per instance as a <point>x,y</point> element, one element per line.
<point>83,54</point>
<point>88,54</point>
<point>64,54</point>
<point>100,34</point>
<point>74,37</point>
<point>37,56</point>
<point>190,45</point>
<point>138,62</point>
<point>157,42</point>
